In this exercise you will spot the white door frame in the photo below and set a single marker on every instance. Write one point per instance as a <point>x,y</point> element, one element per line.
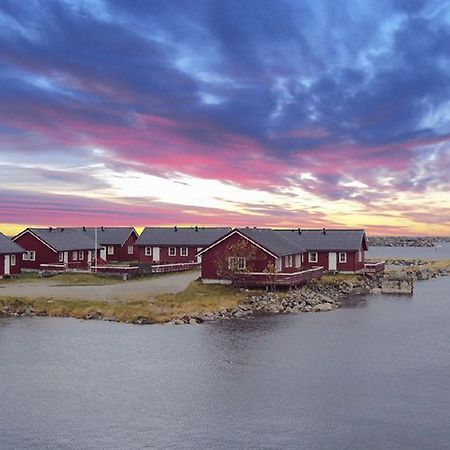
<point>332,261</point>
<point>155,253</point>
<point>103,253</point>
<point>7,265</point>
<point>66,257</point>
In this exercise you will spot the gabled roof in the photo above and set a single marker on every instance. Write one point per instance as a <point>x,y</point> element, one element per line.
<point>109,235</point>
<point>268,240</point>
<point>327,239</point>
<point>179,236</point>
<point>273,241</point>
<point>7,246</point>
<point>62,239</point>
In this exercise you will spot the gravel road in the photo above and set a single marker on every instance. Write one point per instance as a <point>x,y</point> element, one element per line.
<point>128,290</point>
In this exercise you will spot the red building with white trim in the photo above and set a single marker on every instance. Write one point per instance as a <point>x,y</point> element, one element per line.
<point>10,257</point>
<point>172,245</point>
<point>67,247</point>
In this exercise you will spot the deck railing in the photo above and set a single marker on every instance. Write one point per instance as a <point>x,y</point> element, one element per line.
<point>176,267</point>
<point>279,278</point>
<point>374,267</point>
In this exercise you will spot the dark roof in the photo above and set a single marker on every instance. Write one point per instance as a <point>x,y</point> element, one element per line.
<point>271,240</point>
<point>109,235</point>
<point>64,239</point>
<point>189,236</point>
<point>331,239</point>
<point>9,246</point>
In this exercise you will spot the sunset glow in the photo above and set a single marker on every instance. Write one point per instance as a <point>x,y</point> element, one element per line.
<point>259,113</point>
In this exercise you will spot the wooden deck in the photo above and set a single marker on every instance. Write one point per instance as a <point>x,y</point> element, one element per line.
<point>279,279</point>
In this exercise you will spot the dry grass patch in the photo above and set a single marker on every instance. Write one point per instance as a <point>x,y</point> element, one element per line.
<point>339,277</point>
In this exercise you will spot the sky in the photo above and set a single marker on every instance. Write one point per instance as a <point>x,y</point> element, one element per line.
<point>239,112</point>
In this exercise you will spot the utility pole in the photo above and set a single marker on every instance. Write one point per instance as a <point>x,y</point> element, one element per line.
<point>95,251</point>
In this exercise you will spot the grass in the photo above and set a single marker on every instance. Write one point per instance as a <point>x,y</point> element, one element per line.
<point>195,299</point>
<point>63,279</point>
<point>339,277</point>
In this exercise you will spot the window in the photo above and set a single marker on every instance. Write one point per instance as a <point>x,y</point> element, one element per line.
<point>13,260</point>
<point>81,255</point>
<point>236,263</point>
<point>131,249</point>
<point>75,255</point>
<point>288,261</point>
<point>25,256</point>
<point>61,257</point>
<point>184,251</point>
<point>342,257</point>
<point>110,250</point>
<point>360,256</point>
<point>172,251</point>
<point>32,255</point>
<point>313,257</point>
<point>148,251</point>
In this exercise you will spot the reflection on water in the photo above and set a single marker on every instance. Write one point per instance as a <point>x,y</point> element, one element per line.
<point>373,375</point>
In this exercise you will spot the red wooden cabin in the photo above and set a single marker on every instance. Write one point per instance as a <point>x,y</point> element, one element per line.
<point>10,257</point>
<point>337,250</point>
<point>174,245</point>
<point>68,248</point>
<point>254,256</point>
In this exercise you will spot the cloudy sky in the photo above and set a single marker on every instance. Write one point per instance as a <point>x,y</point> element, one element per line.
<point>237,112</point>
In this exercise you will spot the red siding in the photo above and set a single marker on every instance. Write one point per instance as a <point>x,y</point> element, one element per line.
<point>257,259</point>
<point>44,255</point>
<point>164,257</point>
<point>352,264</point>
<point>123,251</point>
<point>13,270</point>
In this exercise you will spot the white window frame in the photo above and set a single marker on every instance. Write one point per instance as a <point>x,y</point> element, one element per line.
<point>184,251</point>
<point>110,249</point>
<point>75,255</point>
<point>172,251</point>
<point>131,249</point>
<point>12,260</point>
<point>360,253</point>
<point>32,255</point>
<point>25,256</point>
<point>288,261</point>
<point>81,255</point>
<point>61,256</point>
<point>148,251</point>
<point>237,263</point>
<point>343,257</point>
<point>313,257</point>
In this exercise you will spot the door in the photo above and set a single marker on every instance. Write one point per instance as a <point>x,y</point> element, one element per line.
<point>103,253</point>
<point>89,260</point>
<point>7,265</point>
<point>155,253</point>
<point>332,261</point>
<point>66,257</point>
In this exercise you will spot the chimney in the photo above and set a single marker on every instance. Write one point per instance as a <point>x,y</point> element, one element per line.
<point>299,230</point>
<point>103,228</point>
<point>196,228</point>
<point>50,229</point>
<point>62,229</point>
<point>84,228</point>
<point>175,228</point>
<point>324,231</point>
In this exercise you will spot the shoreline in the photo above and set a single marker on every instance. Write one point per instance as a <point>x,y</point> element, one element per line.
<point>202,303</point>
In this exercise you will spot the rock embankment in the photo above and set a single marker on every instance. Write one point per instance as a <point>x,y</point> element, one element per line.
<point>317,296</point>
<point>401,241</point>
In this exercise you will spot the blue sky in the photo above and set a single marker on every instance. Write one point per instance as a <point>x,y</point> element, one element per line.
<point>270,113</point>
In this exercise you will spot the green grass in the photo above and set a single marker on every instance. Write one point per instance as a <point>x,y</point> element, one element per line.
<point>195,299</point>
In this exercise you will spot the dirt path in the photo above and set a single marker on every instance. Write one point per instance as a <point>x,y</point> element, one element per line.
<point>128,290</point>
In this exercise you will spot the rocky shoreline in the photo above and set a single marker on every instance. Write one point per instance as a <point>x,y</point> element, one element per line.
<point>401,241</point>
<point>317,296</point>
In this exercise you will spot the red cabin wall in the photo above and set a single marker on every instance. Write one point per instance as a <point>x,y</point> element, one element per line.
<point>123,250</point>
<point>13,270</point>
<point>44,255</point>
<point>164,257</point>
<point>352,264</point>
<point>217,257</point>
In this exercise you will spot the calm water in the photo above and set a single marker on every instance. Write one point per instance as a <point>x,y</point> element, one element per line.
<point>372,376</point>
<point>441,251</point>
